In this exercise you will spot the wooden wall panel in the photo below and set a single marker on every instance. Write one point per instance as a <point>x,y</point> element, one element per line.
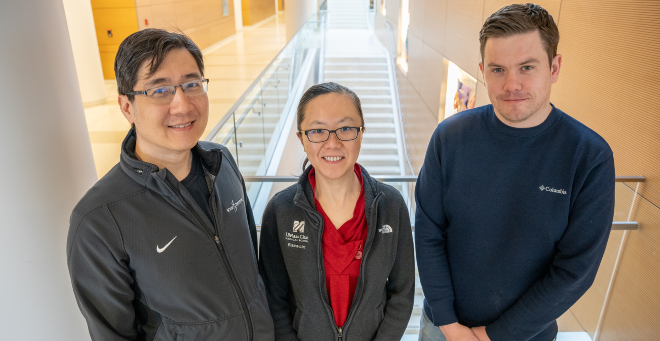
<point>202,20</point>
<point>552,6</point>
<point>634,308</point>
<point>607,84</point>
<point>118,16</point>
<point>255,11</point>
<point>587,309</point>
<point>607,81</point>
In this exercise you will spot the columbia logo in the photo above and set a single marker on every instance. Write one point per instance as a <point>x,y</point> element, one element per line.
<point>299,226</point>
<point>548,189</point>
<point>385,229</point>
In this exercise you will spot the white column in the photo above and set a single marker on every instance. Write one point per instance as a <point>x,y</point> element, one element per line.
<point>80,21</point>
<point>238,15</point>
<point>46,165</point>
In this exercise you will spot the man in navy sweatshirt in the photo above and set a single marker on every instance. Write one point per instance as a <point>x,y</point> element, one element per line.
<point>515,199</point>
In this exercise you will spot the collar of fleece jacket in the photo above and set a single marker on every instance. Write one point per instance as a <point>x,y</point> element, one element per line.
<point>305,193</point>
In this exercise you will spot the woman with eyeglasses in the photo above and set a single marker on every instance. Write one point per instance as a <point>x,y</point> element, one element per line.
<point>336,250</point>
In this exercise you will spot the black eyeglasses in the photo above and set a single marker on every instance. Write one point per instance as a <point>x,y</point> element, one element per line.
<point>322,135</point>
<point>165,93</point>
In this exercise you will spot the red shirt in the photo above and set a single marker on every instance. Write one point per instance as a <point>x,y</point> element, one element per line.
<point>342,253</point>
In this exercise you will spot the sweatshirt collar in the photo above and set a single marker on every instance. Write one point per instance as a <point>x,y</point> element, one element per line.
<point>549,122</point>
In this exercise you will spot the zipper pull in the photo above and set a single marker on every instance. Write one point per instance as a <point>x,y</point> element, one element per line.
<point>217,240</point>
<point>341,335</point>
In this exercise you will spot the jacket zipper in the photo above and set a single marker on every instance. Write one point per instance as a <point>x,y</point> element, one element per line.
<point>340,330</point>
<point>220,247</point>
<point>225,259</point>
<point>364,257</point>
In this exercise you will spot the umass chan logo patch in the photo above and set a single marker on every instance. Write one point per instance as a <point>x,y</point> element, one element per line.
<point>553,190</point>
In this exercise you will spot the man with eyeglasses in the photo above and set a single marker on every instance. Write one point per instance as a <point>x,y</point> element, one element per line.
<point>164,245</point>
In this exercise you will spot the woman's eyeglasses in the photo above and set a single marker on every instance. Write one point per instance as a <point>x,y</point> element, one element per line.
<point>322,135</point>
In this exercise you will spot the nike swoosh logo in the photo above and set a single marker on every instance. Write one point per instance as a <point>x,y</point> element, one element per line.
<point>164,247</point>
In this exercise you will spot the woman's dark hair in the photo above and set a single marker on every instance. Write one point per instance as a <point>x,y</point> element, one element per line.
<point>150,45</point>
<point>323,89</point>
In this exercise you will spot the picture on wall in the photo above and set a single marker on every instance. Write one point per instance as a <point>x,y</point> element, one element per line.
<point>461,90</point>
<point>464,97</point>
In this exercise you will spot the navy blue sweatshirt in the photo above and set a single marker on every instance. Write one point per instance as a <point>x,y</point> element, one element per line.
<point>511,223</point>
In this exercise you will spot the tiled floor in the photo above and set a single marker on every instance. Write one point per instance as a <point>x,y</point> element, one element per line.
<point>231,65</point>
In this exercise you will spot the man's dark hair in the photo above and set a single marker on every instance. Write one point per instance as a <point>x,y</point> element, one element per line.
<point>322,89</point>
<point>519,19</point>
<point>150,45</point>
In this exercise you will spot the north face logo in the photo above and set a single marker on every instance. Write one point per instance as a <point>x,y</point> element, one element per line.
<point>299,226</point>
<point>385,229</point>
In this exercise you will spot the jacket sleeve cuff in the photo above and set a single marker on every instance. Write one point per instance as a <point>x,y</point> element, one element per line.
<point>442,315</point>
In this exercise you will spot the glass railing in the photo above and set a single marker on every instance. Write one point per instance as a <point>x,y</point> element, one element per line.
<point>254,124</point>
<point>626,190</point>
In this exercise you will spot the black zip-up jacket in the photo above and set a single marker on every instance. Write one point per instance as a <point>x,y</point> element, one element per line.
<point>147,264</point>
<point>291,264</point>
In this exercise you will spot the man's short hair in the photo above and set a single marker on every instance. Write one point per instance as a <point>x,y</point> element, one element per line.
<point>149,45</point>
<point>519,19</point>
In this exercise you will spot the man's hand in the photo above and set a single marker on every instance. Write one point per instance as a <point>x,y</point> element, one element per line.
<point>480,332</point>
<point>458,332</point>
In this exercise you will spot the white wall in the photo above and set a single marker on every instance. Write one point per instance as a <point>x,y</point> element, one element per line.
<point>80,22</point>
<point>296,13</point>
<point>46,166</point>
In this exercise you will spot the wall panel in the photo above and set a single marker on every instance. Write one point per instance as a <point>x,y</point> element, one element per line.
<point>118,16</point>
<point>415,61</point>
<point>417,118</point>
<point>431,78</point>
<point>416,27</point>
<point>482,93</point>
<point>434,23</point>
<point>463,22</point>
<point>202,20</point>
<point>255,11</point>
<point>606,83</point>
<point>588,308</point>
<point>633,311</point>
<point>552,6</point>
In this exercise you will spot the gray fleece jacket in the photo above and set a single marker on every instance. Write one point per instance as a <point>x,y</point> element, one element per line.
<point>291,264</point>
<point>146,263</point>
